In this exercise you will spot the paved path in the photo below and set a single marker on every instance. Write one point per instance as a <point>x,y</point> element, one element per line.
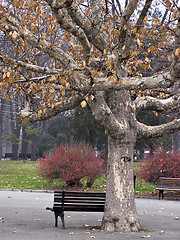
<point>23,216</point>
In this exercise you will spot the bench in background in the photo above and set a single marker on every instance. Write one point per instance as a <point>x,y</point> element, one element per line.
<point>168,184</point>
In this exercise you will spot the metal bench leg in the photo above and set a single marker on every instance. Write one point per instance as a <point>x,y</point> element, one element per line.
<point>56,219</point>
<point>161,194</point>
<point>62,220</point>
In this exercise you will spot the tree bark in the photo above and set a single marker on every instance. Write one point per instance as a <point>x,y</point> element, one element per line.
<point>2,102</point>
<point>120,212</point>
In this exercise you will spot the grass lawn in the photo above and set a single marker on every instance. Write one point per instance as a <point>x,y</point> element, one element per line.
<point>24,175</point>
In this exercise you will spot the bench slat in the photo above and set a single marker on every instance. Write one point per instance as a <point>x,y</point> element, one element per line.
<point>79,194</point>
<point>78,199</point>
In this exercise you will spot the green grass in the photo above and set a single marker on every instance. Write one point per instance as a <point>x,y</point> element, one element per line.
<point>24,175</point>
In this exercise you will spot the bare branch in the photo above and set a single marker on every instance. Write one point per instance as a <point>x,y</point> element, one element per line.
<point>145,131</point>
<point>175,67</point>
<point>67,24</point>
<point>91,30</point>
<point>158,105</point>
<point>139,83</point>
<point>50,112</point>
<point>119,6</point>
<point>30,67</point>
<point>55,52</point>
<point>97,15</point>
<point>40,44</point>
<point>125,21</point>
<point>138,25</point>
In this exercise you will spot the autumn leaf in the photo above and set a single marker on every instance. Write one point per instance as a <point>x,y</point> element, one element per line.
<point>138,42</point>
<point>86,24</point>
<point>177,52</point>
<point>155,113</point>
<point>83,104</point>
<point>25,120</point>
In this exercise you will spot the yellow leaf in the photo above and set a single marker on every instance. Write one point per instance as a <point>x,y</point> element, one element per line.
<point>123,47</point>
<point>155,113</point>
<point>90,60</point>
<point>83,104</point>
<point>105,51</point>
<point>86,24</point>
<point>39,114</point>
<point>14,35</point>
<point>92,97</point>
<point>145,19</point>
<point>121,82</point>
<point>138,42</point>
<point>53,105</point>
<point>25,120</point>
<point>177,52</point>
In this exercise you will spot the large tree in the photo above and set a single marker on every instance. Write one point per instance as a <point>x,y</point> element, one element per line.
<point>93,48</point>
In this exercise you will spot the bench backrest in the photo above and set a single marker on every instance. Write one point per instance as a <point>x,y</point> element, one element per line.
<point>79,201</point>
<point>169,182</point>
<point>8,155</point>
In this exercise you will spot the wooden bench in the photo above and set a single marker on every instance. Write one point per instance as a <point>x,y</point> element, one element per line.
<point>76,201</point>
<point>168,184</point>
<point>8,155</point>
<point>24,156</point>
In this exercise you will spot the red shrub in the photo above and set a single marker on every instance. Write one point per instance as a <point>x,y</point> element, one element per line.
<point>160,164</point>
<point>72,163</point>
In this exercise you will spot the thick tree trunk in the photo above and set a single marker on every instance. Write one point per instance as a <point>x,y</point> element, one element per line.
<point>120,212</point>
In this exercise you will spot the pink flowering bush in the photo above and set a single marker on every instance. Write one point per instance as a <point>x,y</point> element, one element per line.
<point>72,163</point>
<point>160,164</point>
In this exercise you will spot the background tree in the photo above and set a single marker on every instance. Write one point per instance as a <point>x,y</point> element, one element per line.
<point>83,127</point>
<point>92,45</point>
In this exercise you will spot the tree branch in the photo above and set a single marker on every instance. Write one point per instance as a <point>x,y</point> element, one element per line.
<point>30,67</point>
<point>144,131</point>
<point>138,25</point>
<point>139,83</point>
<point>55,52</point>
<point>81,20</point>
<point>50,112</point>
<point>104,115</point>
<point>125,22</point>
<point>66,23</point>
<point>175,67</point>
<point>40,44</point>
<point>97,14</point>
<point>158,105</point>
